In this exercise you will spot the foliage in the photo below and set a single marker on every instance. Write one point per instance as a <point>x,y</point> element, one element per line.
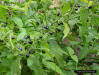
<point>46,37</point>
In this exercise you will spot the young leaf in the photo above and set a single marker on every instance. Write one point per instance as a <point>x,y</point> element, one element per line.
<point>71,52</point>
<point>26,7</point>
<point>84,52</point>
<point>3,13</point>
<point>22,34</point>
<point>66,30</point>
<point>74,57</point>
<point>18,21</point>
<point>57,51</point>
<point>53,66</point>
<point>66,7</point>
<point>83,15</point>
<point>90,3</point>
<point>34,64</point>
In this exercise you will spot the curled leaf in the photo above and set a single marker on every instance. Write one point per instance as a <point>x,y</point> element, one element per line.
<point>66,30</point>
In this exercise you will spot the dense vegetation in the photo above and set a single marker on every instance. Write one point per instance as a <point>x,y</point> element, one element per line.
<point>48,37</point>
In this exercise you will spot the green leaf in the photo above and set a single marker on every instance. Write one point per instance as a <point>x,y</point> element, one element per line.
<point>15,67</point>
<point>35,35</point>
<point>66,7</point>
<point>53,66</point>
<point>3,13</point>
<point>11,65</point>
<point>71,52</point>
<point>95,19</point>
<point>15,7</point>
<point>12,0</point>
<point>27,6</point>
<point>95,67</point>
<point>17,21</point>
<point>66,30</point>
<point>74,57</point>
<point>57,51</point>
<point>22,34</point>
<point>83,15</point>
<point>34,64</point>
<point>44,46</point>
<point>84,52</point>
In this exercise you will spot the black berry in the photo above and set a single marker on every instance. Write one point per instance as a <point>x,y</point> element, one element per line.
<point>46,27</point>
<point>40,37</point>
<point>71,5</point>
<point>43,51</point>
<point>79,5</point>
<point>1,40</point>
<point>58,30</point>
<point>45,68</point>
<point>37,23</point>
<point>90,7</point>
<point>61,23</point>
<point>27,55</point>
<point>31,51</point>
<point>87,20</point>
<point>20,49</point>
<point>51,33</point>
<point>25,43</point>
<point>12,37</point>
<point>58,13</point>
<point>76,9</point>
<point>25,47</point>
<point>28,37</point>
<point>89,63</point>
<point>30,42</point>
<point>44,32</point>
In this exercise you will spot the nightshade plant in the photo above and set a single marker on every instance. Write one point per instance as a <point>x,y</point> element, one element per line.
<point>48,37</point>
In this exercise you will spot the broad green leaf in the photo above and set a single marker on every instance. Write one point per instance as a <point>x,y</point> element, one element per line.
<point>90,3</point>
<point>95,19</point>
<point>15,67</point>
<point>27,6</point>
<point>66,30</point>
<point>2,6</point>
<point>34,64</point>
<point>66,7</point>
<point>43,0</point>
<point>3,13</point>
<point>75,58</point>
<point>17,21</point>
<point>53,66</point>
<point>12,0</point>
<point>84,52</point>
<point>22,34</point>
<point>15,7</point>
<point>44,46</point>
<point>86,1</point>
<point>71,52</point>
<point>57,51</point>
<point>35,35</point>
<point>95,67</point>
<point>11,65</point>
<point>83,15</point>
<point>4,66</point>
